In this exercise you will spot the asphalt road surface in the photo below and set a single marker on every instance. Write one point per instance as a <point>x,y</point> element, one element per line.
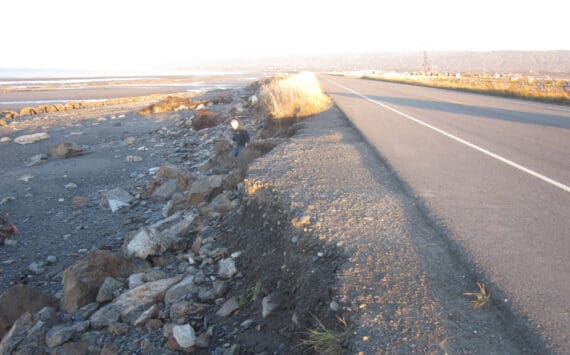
<point>493,173</point>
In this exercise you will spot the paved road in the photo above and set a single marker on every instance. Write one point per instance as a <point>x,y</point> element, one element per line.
<point>494,173</point>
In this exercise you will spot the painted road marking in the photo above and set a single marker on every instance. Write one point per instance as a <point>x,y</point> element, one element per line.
<point>462,141</point>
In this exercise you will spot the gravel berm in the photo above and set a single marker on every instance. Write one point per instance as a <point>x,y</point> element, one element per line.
<point>402,288</point>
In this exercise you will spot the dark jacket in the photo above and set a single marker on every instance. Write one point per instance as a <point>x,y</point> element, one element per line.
<point>240,136</point>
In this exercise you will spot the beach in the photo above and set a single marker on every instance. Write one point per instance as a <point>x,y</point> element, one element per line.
<point>17,93</point>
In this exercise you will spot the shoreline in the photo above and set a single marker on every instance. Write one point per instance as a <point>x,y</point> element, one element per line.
<point>15,98</point>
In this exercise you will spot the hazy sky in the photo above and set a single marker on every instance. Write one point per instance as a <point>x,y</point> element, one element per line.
<point>125,33</point>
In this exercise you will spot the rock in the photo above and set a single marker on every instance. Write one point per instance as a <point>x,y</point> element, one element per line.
<point>31,138</point>
<point>203,188</point>
<point>116,199</point>
<point>270,303</point>
<point>179,310</point>
<point>154,274</point>
<point>76,348</point>
<point>227,268</point>
<point>51,259</point>
<point>37,160</point>
<point>82,280</point>
<point>78,202</point>
<point>47,314</point>
<point>5,139</point>
<point>203,341</point>
<point>301,222</point>
<point>159,237</point>
<point>105,316</point>
<point>5,200</point>
<point>25,178</point>
<point>107,289</point>
<point>221,204</point>
<point>118,328</point>
<point>166,190</point>
<point>130,140</point>
<point>133,158</point>
<point>62,333</point>
<point>36,268</point>
<point>16,334</point>
<point>146,315</point>
<point>230,306</point>
<point>181,290</point>
<point>86,311</point>
<point>66,150</point>
<point>131,304</point>
<point>184,335</point>
<point>135,280</point>
<point>18,300</point>
<point>253,100</point>
<point>206,119</point>
<point>224,154</point>
<point>70,186</point>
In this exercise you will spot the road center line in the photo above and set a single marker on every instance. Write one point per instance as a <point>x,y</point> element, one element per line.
<point>460,140</point>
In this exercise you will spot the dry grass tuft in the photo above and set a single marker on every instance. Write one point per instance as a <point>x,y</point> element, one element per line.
<point>326,341</point>
<point>294,96</point>
<point>482,298</point>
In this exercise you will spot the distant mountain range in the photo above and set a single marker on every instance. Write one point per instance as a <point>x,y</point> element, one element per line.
<point>553,63</point>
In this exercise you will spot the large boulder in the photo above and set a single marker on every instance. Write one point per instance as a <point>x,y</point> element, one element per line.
<point>82,280</point>
<point>206,119</point>
<point>164,235</point>
<point>18,300</point>
<point>131,304</point>
<point>204,188</point>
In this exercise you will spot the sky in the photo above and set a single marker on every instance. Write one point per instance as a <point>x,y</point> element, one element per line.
<point>104,34</point>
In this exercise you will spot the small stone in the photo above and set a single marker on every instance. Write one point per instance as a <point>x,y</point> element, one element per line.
<point>130,140</point>
<point>47,314</point>
<point>38,159</point>
<point>5,200</point>
<point>66,150</point>
<point>25,178</point>
<point>203,341</point>
<point>79,202</point>
<point>5,139</point>
<point>184,335</point>
<point>334,306</point>
<point>269,304</point>
<point>228,307</point>
<point>50,260</point>
<point>71,186</point>
<point>227,268</point>
<point>36,268</point>
<point>133,158</point>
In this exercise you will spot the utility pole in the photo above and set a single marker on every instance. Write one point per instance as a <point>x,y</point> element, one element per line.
<point>427,68</point>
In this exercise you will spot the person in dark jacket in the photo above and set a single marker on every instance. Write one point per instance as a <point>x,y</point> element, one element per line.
<point>240,136</point>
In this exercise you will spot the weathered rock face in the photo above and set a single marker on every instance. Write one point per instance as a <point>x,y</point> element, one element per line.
<point>131,304</point>
<point>66,150</point>
<point>82,280</point>
<point>206,119</point>
<point>18,300</point>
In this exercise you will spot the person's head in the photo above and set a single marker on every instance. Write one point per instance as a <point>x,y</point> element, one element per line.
<point>234,123</point>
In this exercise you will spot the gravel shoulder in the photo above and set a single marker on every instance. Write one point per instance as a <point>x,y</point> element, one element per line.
<point>402,286</point>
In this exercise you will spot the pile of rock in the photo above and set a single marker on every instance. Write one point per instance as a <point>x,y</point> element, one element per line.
<point>164,289</point>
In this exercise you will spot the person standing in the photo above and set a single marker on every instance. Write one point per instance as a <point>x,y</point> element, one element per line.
<point>240,136</point>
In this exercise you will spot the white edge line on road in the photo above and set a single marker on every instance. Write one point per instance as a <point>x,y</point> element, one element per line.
<point>471,145</point>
